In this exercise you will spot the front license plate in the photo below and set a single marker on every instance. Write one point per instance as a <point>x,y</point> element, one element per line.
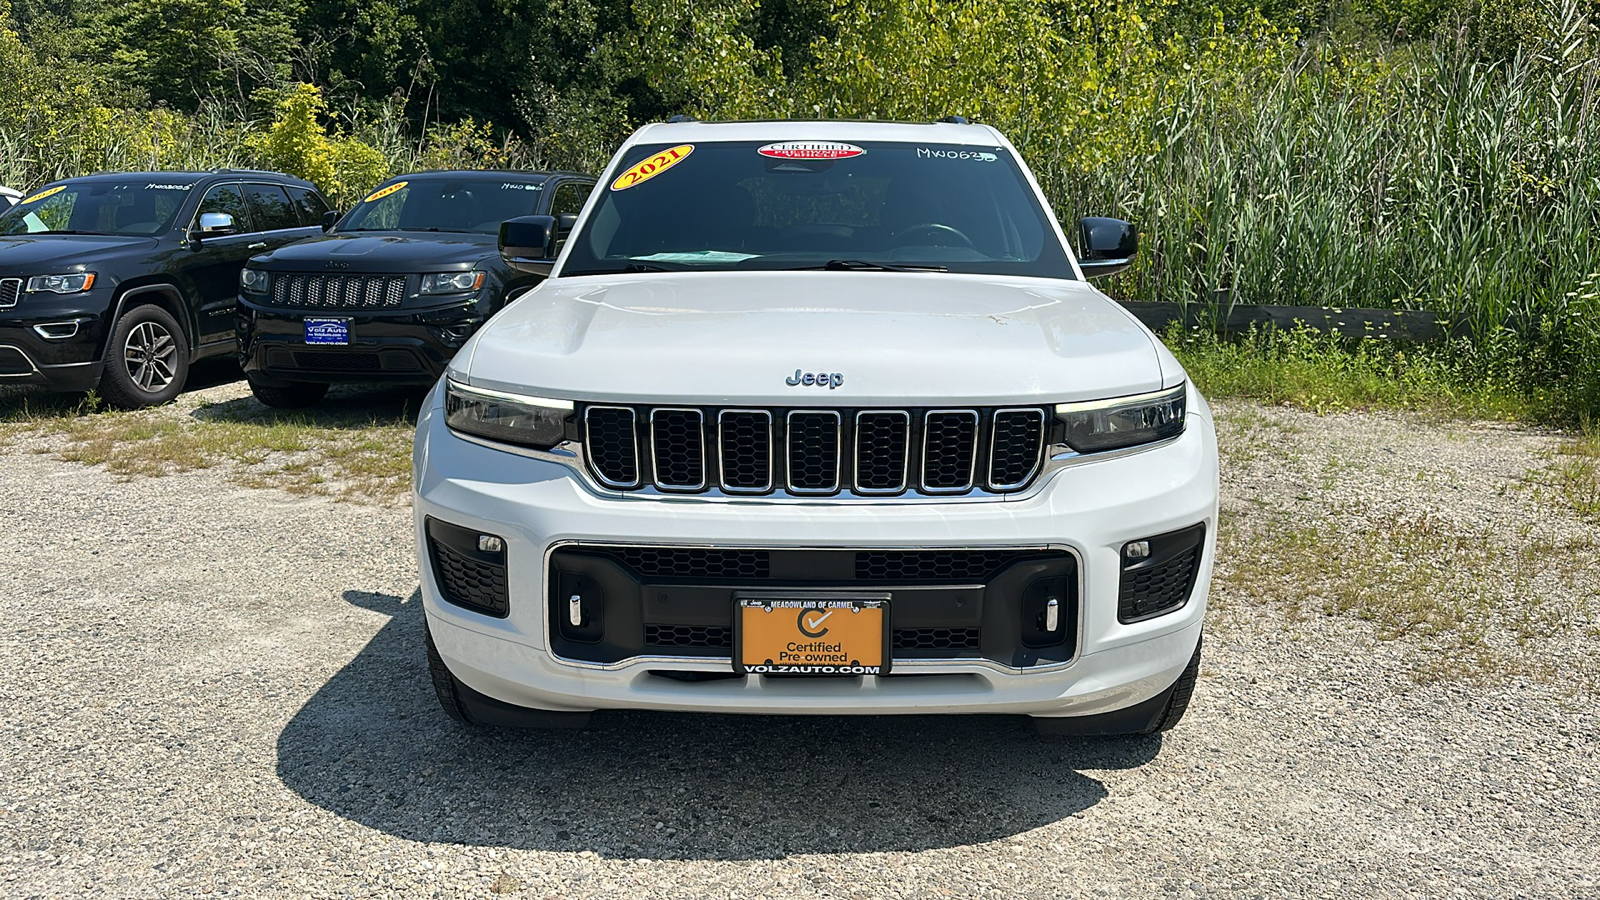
<point>328,331</point>
<point>811,636</point>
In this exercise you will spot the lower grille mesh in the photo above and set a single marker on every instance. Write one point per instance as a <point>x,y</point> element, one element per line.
<point>468,582</point>
<point>1159,588</point>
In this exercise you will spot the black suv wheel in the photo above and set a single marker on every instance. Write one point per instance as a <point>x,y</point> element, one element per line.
<point>147,359</point>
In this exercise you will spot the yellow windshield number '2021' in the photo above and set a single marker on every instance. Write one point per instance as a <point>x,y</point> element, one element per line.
<point>652,167</point>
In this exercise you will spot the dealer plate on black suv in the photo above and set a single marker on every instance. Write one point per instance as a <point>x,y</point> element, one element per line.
<point>328,331</point>
<point>811,636</point>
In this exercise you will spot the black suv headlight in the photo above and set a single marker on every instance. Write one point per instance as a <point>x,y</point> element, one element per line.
<point>451,282</point>
<point>507,418</point>
<point>252,281</point>
<point>75,283</point>
<point>1098,425</point>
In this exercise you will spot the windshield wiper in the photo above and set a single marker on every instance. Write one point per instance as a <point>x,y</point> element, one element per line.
<point>863,265</point>
<point>66,231</point>
<point>450,230</point>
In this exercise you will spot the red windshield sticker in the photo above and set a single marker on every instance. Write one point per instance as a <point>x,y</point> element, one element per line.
<point>810,150</point>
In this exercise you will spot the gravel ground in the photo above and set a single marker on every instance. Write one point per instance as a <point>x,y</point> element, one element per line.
<point>215,689</point>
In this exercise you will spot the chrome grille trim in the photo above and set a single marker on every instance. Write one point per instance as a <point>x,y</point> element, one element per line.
<point>588,445</point>
<point>722,467</point>
<point>10,290</point>
<point>666,451</point>
<point>788,450</point>
<point>972,462</point>
<point>655,449</point>
<point>1038,458</point>
<point>905,454</point>
<point>315,290</point>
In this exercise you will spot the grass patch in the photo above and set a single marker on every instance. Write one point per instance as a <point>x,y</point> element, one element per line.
<point>1475,604</point>
<point>1574,475</point>
<point>356,448</point>
<point>1327,374</point>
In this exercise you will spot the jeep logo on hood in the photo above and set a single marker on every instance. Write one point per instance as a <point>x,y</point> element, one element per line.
<point>829,380</point>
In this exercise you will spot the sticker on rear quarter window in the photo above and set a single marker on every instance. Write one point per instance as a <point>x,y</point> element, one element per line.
<point>652,167</point>
<point>43,194</point>
<point>381,193</point>
<point>810,150</point>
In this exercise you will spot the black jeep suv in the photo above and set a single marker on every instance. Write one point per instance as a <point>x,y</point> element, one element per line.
<point>396,287</point>
<point>122,280</point>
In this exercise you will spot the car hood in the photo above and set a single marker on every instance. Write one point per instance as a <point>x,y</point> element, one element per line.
<point>892,338</point>
<point>379,252</point>
<point>24,254</point>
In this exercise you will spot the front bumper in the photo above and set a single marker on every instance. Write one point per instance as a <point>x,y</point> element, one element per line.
<point>399,346</point>
<point>1086,512</point>
<point>54,340</point>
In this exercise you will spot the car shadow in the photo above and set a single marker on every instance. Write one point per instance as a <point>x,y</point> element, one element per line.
<point>373,746</point>
<point>36,402</point>
<point>345,407</point>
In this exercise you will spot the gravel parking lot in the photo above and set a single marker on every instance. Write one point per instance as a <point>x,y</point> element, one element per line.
<point>213,688</point>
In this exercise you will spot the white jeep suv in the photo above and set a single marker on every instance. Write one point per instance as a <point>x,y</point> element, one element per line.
<point>816,418</point>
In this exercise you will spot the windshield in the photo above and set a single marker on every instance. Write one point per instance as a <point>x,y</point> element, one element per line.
<point>131,207</point>
<point>473,205</point>
<point>819,205</point>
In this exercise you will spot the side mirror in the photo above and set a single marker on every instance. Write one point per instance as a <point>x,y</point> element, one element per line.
<point>329,219</point>
<point>215,225</point>
<point>564,223</point>
<point>528,244</point>
<point>1105,246</point>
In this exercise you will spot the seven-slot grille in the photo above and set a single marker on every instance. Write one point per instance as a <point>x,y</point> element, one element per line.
<point>316,291</point>
<point>9,289</point>
<point>815,452</point>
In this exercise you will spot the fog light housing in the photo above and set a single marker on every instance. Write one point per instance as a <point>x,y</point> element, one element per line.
<point>1159,579</point>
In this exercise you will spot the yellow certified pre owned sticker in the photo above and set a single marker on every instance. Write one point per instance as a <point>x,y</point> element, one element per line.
<point>43,194</point>
<point>652,167</point>
<point>381,193</point>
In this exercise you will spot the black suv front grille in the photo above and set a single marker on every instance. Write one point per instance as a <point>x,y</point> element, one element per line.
<point>10,289</point>
<point>815,452</point>
<point>317,291</point>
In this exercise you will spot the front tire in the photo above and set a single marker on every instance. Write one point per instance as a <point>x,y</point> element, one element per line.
<point>147,359</point>
<point>290,395</point>
<point>445,684</point>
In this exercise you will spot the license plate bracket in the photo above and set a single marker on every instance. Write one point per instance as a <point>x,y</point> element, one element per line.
<point>333,332</point>
<point>800,633</point>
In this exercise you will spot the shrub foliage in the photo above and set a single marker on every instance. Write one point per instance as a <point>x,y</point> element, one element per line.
<point>1434,154</point>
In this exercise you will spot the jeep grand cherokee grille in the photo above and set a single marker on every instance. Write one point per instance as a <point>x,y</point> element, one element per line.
<point>815,452</point>
<point>315,291</point>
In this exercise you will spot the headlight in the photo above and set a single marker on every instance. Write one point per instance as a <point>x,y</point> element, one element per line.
<point>508,418</point>
<point>76,283</point>
<point>1123,421</point>
<point>451,282</point>
<point>252,281</point>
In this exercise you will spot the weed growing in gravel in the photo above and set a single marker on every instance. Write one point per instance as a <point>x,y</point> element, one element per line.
<point>1472,602</point>
<point>348,450</point>
<point>1574,473</point>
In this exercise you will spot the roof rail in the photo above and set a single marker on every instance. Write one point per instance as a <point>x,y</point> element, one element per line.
<point>680,117</point>
<point>228,171</point>
<point>956,120</point>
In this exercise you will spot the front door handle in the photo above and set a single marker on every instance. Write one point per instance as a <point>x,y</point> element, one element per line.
<point>257,245</point>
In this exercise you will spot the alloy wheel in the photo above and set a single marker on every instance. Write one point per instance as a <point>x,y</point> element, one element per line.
<point>149,354</point>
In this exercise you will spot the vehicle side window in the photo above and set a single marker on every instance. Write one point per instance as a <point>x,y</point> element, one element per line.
<point>225,198</point>
<point>309,203</point>
<point>270,206</point>
<point>570,197</point>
